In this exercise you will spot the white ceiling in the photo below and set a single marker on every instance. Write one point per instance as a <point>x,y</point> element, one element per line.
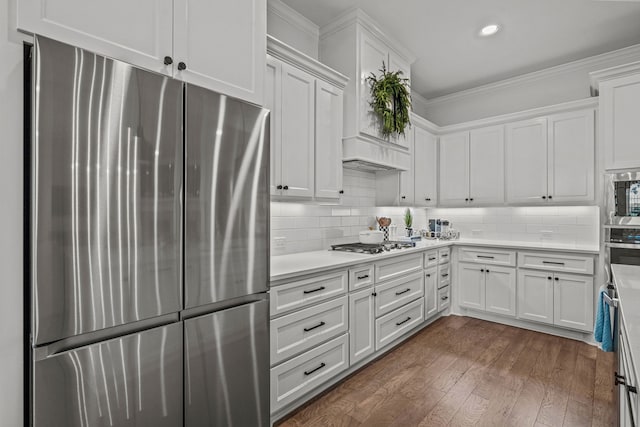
<point>536,34</point>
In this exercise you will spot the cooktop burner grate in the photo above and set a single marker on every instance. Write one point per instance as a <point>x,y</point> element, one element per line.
<point>375,248</point>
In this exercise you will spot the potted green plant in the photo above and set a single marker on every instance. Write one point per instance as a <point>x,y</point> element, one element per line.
<point>390,100</point>
<point>408,222</point>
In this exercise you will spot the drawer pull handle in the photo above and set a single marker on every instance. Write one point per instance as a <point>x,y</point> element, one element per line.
<point>444,255</point>
<point>404,321</point>
<point>485,256</point>
<point>322,365</point>
<point>432,259</point>
<point>445,275</point>
<point>428,275</point>
<point>403,292</point>
<point>314,327</point>
<point>553,262</point>
<point>321,288</point>
<point>444,298</point>
<point>366,276</point>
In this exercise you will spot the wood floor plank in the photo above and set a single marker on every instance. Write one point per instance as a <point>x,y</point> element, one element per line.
<point>462,371</point>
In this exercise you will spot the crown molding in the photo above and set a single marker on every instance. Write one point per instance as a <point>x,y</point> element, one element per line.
<point>580,104</point>
<point>417,120</point>
<point>288,54</point>
<point>597,77</point>
<point>290,15</point>
<point>358,16</point>
<point>630,53</point>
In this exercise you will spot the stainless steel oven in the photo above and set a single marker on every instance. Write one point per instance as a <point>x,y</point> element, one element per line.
<point>622,198</point>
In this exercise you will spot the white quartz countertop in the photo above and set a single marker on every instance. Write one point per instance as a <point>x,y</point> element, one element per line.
<point>292,265</point>
<point>627,281</point>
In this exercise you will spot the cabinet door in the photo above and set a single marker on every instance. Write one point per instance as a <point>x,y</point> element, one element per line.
<point>361,325</point>
<point>373,53</point>
<point>471,281</point>
<point>500,290</point>
<point>526,158</point>
<point>328,141</point>
<point>425,159</point>
<point>535,296</point>
<point>407,184</point>
<point>139,32</point>
<point>430,292</point>
<point>571,156</point>
<point>454,169</point>
<point>273,102</point>
<point>486,165</point>
<point>619,106</point>
<point>222,44</point>
<point>573,301</point>
<point>297,132</point>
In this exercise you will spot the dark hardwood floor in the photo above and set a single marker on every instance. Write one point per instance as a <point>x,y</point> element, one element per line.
<point>461,371</point>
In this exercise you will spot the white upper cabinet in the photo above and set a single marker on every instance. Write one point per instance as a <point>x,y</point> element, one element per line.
<point>486,165</point>
<point>273,102</point>
<point>297,134</point>
<point>526,153</point>
<point>551,159</point>
<point>571,161</point>
<point>407,183</point>
<point>425,170</point>
<point>138,32</point>
<point>619,124</point>
<point>222,45</point>
<point>328,141</point>
<point>454,169</point>
<point>472,167</point>
<point>217,45</point>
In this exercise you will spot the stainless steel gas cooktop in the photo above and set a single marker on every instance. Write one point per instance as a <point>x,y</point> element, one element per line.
<point>376,248</point>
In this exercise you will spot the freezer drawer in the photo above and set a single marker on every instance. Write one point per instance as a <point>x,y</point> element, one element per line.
<point>227,367</point>
<point>106,193</point>
<point>227,198</point>
<point>135,380</point>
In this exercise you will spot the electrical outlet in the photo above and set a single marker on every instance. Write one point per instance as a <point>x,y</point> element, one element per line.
<point>279,242</point>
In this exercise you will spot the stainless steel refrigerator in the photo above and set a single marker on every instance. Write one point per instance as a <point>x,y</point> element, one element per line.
<point>149,248</point>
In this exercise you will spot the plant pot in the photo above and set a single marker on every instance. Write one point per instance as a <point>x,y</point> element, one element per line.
<point>409,231</point>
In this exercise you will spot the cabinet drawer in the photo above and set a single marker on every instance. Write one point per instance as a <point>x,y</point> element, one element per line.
<point>299,331</point>
<point>398,292</point>
<point>294,378</point>
<point>360,277</point>
<point>396,323</point>
<point>444,275</point>
<point>430,259</point>
<point>444,298</point>
<point>556,262</point>
<point>396,267</point>
<point>444,255</point>
<point>303,293</point>
<point>488,256</point>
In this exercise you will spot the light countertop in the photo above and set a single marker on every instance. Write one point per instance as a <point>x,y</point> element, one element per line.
<point>627,280</point>
<point>292,265</point>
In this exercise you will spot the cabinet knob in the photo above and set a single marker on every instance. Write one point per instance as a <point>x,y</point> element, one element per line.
<point>557,278</point>
<point>544,197</point>
<point>404,197</point>
<point>550,197</point>
<point>286,187</point>
<point>428,199</point>
<point>279,187</point>
<point>482,270</point>
<point>471,199</point>
<point>549,278</point>
<point>341,191</point>
<point>182,66</point>
<point>488,271</point>
<point>374,294</point>
<point>168,60</point>
<point>466,200</point>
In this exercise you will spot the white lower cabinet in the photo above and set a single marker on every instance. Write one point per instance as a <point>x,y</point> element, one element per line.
<point>398,322</point>
<point>556,298</point>
<point>430,292</point>
<point>398,292</point>
<point>487,288</point>
<point>361,325</point>
<point>293,378</point>
<point>444,298</point>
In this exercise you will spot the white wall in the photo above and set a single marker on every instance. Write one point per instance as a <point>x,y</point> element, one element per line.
<point>11,215</point>
<point>555,85</point>
<point>292,28</point>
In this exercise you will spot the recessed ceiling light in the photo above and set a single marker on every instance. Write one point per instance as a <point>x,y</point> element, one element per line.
<point>489,30</point>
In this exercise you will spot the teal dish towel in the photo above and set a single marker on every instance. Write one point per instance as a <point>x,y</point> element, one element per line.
<point>602,329</point>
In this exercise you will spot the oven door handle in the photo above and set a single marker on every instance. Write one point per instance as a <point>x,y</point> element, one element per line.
<point>622,245</point>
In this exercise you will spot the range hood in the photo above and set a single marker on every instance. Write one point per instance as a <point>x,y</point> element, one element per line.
<point>362,153</point>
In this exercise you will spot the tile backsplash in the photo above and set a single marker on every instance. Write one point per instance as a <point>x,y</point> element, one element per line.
<point>301,227</point>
